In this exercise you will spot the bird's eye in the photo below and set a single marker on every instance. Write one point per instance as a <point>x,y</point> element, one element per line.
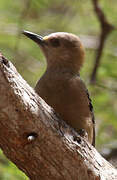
<point>55,42</point>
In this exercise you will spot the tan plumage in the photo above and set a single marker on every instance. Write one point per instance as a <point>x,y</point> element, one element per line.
<point>61,86</point>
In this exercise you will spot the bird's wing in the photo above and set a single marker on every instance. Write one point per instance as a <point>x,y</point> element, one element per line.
<point>90,108</point>
<point>92,113</point>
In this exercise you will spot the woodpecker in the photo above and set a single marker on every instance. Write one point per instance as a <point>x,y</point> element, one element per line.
<point>61,86</point>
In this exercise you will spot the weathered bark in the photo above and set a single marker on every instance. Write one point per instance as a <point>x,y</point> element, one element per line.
<point>37,141</point>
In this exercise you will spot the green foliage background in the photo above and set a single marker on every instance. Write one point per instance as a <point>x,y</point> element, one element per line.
<point>78,17</point>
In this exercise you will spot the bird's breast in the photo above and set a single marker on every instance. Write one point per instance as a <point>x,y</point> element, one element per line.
<point>69,100</point>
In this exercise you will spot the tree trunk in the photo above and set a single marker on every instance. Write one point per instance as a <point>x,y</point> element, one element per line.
<point>37,141</point>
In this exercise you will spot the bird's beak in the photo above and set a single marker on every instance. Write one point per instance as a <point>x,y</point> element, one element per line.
<point>35,37</point>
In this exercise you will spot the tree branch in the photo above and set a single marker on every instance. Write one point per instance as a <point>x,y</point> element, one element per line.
<point>37,141</point>
<point>106,29</point>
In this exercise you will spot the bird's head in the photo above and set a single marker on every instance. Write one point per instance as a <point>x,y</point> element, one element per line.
<point>61,48</point>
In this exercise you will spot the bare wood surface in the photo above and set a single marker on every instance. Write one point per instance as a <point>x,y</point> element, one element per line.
<point>37,141</point>
<point>106,29</point>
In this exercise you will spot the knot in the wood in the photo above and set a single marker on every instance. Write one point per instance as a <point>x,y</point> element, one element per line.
<point>4,60</point>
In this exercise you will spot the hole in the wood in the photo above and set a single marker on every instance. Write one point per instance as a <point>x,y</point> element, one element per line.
<point>32,136</point>
<point>82,132</point>
<point>5,61</point>
<point>78,139</point>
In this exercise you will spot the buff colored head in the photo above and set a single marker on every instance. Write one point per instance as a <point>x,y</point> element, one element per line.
<point>60,48</point>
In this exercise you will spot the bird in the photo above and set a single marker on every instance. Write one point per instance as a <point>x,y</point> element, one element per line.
<point>61,85</point>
